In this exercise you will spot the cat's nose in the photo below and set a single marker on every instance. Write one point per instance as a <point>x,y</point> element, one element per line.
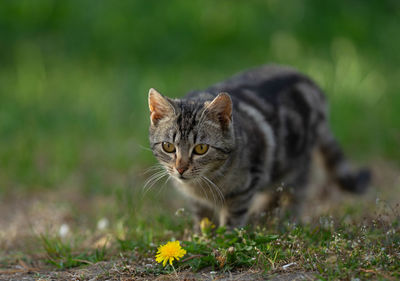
<point>181,170</point>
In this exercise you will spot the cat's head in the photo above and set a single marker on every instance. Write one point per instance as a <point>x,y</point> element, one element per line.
<point>191,138</point>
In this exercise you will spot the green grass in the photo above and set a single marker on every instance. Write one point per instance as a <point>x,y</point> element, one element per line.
<point>62,255</point>
<point>342,244</point>
<point>332,248</point>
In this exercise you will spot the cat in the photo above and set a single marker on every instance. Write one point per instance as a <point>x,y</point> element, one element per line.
<point>248,134</point>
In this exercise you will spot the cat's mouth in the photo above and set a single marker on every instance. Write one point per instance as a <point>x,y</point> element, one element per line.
<point>179,176</point>
<point>183,178</point>
<point>186,177</point>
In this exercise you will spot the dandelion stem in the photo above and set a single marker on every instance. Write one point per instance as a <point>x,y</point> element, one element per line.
<point>176,273</point>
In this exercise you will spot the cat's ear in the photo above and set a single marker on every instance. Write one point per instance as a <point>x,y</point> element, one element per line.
<point>220,109</point>
<point>160,106</point>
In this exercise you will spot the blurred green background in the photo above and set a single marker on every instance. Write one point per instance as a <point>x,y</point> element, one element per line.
<point>74,76</point>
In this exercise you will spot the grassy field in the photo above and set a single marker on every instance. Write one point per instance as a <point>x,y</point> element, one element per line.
<point>74,77</point>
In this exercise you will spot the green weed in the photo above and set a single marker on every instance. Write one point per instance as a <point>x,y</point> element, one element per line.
<point>342,252</point>
<point>62,255</point>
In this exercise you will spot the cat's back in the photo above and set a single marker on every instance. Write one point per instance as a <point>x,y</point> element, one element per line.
<point>266,79</point>
<point>270,74</point>
<point>268,84</point>
<point>268,89</point>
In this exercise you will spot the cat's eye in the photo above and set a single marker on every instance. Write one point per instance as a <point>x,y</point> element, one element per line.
<point>168,147</point>
<point>200,149</point>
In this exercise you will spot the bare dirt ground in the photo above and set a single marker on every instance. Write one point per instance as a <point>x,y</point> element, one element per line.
<point>23,218</point>
<point>117,271</point>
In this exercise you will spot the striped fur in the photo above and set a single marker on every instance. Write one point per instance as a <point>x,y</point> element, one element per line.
<point>260,134</point>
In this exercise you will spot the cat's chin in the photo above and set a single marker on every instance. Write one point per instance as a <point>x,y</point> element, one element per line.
<point>184,179</point>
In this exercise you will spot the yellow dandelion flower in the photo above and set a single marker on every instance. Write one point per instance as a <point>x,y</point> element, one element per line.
<point>206,225</point>
<point>170,251</point>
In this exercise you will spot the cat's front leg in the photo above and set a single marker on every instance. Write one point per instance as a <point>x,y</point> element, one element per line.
<point>200,211</point>
<point>235,214</point>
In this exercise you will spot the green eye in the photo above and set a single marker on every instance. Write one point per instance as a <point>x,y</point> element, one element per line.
<point>200,149</point>
<point>168,147</point>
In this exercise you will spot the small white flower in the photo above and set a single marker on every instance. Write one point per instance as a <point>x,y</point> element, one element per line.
<point>180,212</point>
<point>102,224</point>
<point>64,230</point>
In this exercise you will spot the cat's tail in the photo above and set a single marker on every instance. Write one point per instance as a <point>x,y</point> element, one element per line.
<point>348,179</point>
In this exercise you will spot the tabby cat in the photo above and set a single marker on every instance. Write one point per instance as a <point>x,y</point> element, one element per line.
<point>246,135</point>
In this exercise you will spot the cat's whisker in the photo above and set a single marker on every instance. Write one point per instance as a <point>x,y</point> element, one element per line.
<point>152,177</point>
<point>219,192</point>
<point>212,192</point>
<point>153,168</point>
<point>164,184</point>
<point>219,200</point>
<point>202,188</point>
<point>152,181</point>
<point>152,185</point>
<point>144,148</point>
